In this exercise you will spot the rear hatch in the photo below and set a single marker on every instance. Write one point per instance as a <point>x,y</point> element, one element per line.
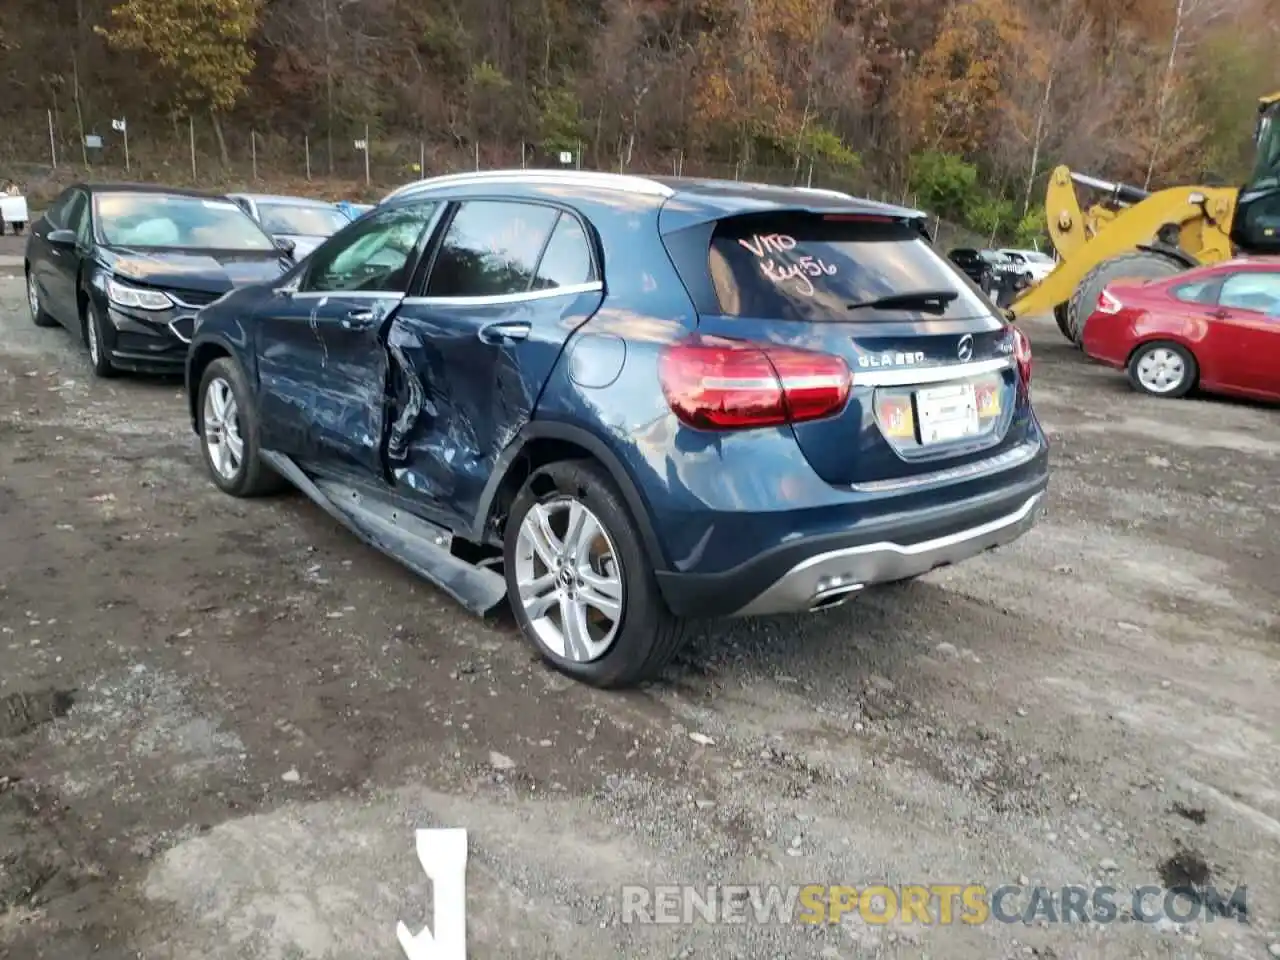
<point>934,378</point>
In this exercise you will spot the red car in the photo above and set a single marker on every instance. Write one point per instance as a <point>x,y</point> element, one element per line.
<point>1216,328</point>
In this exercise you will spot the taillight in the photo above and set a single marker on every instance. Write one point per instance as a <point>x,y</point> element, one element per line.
<point>1022,354</point>
<point>728,384</point>
<point>1107,303</point>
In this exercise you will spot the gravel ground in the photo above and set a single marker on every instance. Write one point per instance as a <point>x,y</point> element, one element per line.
<point>221,721</point>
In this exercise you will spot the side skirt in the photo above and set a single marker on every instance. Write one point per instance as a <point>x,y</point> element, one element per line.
<point>409,540</point>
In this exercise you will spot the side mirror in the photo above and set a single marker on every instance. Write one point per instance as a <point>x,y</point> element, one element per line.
<point>287,245</point>
<point>65,239</point>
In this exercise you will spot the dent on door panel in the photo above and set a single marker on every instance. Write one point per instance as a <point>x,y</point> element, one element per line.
<point>459,401</point>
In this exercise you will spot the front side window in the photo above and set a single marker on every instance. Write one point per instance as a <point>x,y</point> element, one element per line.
<point>1259,292</point>
<point>57,214</point>
<point>374,255</point>
<point>491,249</point>
<point>301,220</point>
<point>75,216</point>
<point>172,220</point>
<point>816,268</point>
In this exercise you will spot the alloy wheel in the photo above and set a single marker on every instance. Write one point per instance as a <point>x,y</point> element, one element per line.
<point>569,579</point>
<point>33,297</point>
<point>222,429</point>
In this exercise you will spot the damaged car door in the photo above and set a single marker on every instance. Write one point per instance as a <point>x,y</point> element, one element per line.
<point>321,361</point>
<point>509,283</point>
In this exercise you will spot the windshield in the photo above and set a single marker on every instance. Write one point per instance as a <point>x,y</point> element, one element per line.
<point>320,220</point>
<point>169,220</point>
<point>811,268</point>
<point>1266,170</point>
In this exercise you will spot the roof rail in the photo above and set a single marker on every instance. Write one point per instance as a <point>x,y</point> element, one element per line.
<point>570,178</point>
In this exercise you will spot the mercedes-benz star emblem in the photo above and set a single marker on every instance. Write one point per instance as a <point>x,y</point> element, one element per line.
<point>964,349</point>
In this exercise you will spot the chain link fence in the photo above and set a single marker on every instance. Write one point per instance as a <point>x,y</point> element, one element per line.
<point>363,167</point>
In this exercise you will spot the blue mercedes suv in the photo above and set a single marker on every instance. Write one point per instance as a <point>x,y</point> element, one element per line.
<point>623,402</point>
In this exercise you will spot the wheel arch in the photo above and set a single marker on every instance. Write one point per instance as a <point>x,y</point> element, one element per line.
<point>542,442</point>
<point>199,356</point>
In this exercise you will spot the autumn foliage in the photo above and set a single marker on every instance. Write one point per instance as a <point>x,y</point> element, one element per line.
<point>963,103</point>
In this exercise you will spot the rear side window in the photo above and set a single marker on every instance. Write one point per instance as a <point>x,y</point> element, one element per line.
<point>567,259</point>
<point>1201,291</point>
<point>812,268</point>
<point>491,249</point>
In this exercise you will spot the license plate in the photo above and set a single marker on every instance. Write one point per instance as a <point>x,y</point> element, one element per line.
<point>947,413</point>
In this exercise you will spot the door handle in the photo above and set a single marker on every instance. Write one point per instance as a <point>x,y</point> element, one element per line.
<point>498,333</point>
<point>358,320</point>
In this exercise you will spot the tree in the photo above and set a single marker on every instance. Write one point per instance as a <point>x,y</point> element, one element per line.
<point>203,45</point>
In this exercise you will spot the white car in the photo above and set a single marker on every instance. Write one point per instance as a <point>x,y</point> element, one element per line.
<point>304,223</point>
<point>1032,264</point>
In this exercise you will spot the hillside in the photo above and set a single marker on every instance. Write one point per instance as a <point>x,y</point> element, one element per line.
<point>960,105</point>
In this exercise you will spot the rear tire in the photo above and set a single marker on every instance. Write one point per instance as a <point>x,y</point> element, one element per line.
<point>564,589</point>
<point>1140,265</point>
<point>1163,369</point>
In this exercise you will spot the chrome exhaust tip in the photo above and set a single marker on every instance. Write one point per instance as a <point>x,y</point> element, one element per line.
<point>834,596</point>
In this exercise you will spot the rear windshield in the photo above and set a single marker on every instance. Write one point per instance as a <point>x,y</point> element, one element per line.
<point>813,268</point>
<point>300,220</point>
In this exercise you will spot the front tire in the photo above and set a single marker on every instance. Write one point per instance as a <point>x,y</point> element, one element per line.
<point>580,584</point>
<point>95,338</point>
<point>1163,369</point>
<point>1060,317</point>
<point>229,432</point>
<point>39,316</point>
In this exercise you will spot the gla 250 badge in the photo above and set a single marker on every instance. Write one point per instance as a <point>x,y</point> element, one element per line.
<point>873,361</point>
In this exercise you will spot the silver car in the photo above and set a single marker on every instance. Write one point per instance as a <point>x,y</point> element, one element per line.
<point>305,223</point>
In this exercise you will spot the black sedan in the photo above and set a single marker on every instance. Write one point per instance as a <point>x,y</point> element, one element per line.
<point>126,268</point>
<point>975,264</point>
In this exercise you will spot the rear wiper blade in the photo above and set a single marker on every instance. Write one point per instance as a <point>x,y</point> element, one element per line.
<point>923,299</point>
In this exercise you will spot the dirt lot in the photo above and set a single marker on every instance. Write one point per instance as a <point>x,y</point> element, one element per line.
<point>221,721</point>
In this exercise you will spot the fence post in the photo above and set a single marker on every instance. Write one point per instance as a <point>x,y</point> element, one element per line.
<point>477,155</point>
<point>191,136</point>
<point>253,153</point>
<point>422,159</point>
<point>522,155</point>
<point>366,154</point>
<point>124,129</point>
<point>579,154</point>
<point>53,145</point>
<point>809,182</point>
<point>306,146</point>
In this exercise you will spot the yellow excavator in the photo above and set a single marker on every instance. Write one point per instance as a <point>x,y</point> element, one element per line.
<point>1134,235</point>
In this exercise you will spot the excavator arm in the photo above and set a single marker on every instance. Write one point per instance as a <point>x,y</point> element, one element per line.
<point>1171,229</point>
<point>1188,224</point>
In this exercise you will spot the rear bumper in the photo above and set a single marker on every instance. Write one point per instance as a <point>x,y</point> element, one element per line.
<point>821,571</point>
